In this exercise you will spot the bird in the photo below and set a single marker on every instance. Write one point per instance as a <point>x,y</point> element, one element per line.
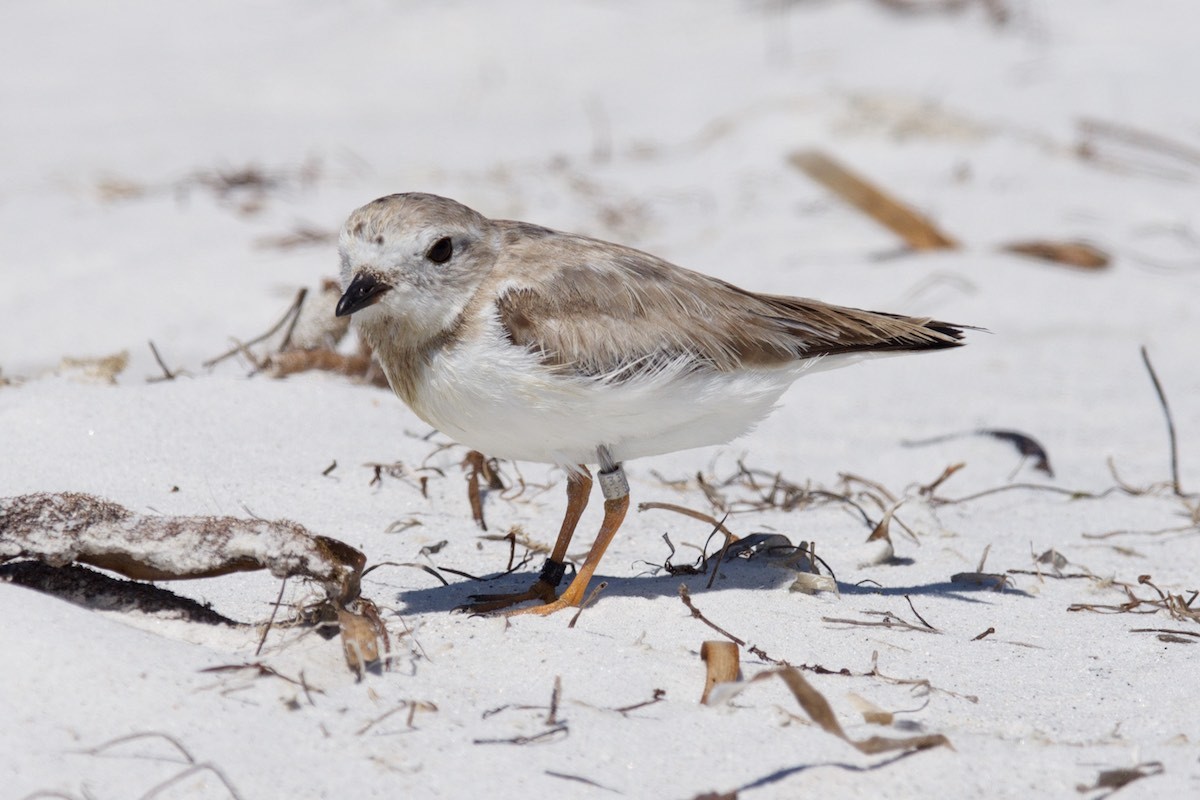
<point>532,344</point>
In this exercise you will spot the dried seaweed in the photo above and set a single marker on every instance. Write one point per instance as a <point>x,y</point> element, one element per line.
<point>918,683</point>
<point>686,597</point>
<point>991,580</point>
<point>762,490</point>
<point>1026,445</point>
<point>288,318</point>
<point>998,11</point>
<point>102,369</point>
<point>479,467</point>
<point>1126,149</point>
<point>186,759</point>
<point>1176,606</point>
<point>1029,447</point>
<point>872,713</point>
<point>776,548</point>
<point>819,711</point>
<point>1166,409</point>
<point>305,338</point>
<point>1171,635</point>
<point>721,665</point>
<point>885,619</point>
<point>555,728</point>
<point>658,696</point>
<point>351,365</point>
<point>411,706</point>
<point>1115,779</point>
<point>246,188</point>
<point>302,235</point>
<point>687,512</point>
<point>262,670</point>
<point>579,779</point>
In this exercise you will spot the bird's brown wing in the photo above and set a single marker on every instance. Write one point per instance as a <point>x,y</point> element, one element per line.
<point>608,310</point>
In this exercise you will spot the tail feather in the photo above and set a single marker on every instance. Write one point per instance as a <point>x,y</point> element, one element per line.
<point>820,329</point>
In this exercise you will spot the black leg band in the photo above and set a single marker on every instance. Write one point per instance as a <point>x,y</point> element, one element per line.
<point>553,572</point>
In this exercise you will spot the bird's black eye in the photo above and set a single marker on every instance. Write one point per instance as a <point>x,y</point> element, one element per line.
<point>441,251</point>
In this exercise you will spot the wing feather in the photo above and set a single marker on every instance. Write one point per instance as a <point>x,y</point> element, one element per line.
<point>612,311</point>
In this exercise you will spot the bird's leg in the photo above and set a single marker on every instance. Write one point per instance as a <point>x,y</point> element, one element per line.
<point>579,486</point>
<point>615,488</point>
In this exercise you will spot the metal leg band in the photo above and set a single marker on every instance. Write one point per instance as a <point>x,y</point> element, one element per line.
<point>614,484</point>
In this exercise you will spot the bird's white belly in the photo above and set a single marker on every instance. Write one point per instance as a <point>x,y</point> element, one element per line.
<point>497,398</point>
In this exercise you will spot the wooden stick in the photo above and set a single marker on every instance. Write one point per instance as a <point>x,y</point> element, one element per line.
<point>917,231</point>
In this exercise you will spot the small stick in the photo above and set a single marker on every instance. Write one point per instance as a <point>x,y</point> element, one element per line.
<point>511,537</point>
<point>917,231</point>
<point>1163,630</point>
<point>524,740</point>
<point>1072,254</point>
<point>1134,137</point>
<point>475,462</point>
<point>1074,494</point>
<point>422,567</point>
<point>579,779</point>
<point>100,748</point>
<point>372,723</point>
<point>190,771</point>
<point>271,621</point>
<point>720,556</point>
<point>299,302</point>
<point>292,312</point>
<point>686,597</point>
<point>304,685</point>
<point>167,374</point>
<point>552,717</point>
<point>591,598</point>
<point>1162,399</point>
<point>982,559</point>
<point>659,694</point>
<point>923,620</point>
<point>687,512</point>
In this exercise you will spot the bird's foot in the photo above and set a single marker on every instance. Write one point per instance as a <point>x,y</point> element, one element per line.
<point>571,598</point>
<point>488,603</point>
<point>544,610</point>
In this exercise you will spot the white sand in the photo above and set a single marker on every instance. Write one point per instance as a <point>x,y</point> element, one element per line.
<point>667,129</point>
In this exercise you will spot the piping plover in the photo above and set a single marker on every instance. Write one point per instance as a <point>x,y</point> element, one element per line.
<point>527,343</point>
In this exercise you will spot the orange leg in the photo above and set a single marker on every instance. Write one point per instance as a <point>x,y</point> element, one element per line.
<point>616,503</point>
<point>579,486</point>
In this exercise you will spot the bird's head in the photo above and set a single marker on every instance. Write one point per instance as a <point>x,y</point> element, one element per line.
<point>410,264</point>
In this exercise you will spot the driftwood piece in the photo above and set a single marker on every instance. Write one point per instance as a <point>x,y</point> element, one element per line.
<point>74,528</point>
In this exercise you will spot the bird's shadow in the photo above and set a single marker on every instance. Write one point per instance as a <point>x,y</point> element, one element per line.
<point>736,573</point>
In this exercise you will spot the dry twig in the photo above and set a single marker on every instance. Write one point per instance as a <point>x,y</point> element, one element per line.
<point>819,711</point>
<point>914,228</point>
<point>289,316</point>
<point>1073,254</point>
<point>1162,400</point>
